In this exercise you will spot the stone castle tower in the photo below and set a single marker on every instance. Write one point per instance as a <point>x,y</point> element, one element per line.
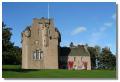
<point>40,44</point>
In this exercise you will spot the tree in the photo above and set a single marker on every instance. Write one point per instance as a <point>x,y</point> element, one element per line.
<point>97,55</point>
<point>6,43</point>
<point>6,35</point>
<point>17,55</point>
<point>92,56</point>
<point>107,59</point>
<point>10,53</point>
<point>102,58</point>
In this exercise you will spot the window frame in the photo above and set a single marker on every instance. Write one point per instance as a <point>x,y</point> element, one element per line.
<point>37,55</point>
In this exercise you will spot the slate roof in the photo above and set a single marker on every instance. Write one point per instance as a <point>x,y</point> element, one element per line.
<point>74,51</point>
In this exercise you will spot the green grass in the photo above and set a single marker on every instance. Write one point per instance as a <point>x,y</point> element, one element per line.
<point>11,67</point>
<point>14,71</point>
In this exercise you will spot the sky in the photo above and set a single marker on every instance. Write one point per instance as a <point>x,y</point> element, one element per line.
<point>78,22</point>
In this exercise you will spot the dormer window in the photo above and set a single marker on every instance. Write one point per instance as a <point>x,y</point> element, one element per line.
<point>46,24</point>
<point>40,24</point>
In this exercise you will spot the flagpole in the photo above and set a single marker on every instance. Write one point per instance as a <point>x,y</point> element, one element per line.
<point>48,10</point>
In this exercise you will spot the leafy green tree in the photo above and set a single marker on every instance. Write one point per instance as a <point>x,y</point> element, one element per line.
<point>17,55</point>
<point>92,52</point>
<point>6,43</point>
<point>102,58</point>
<point>107,59</point>
<point>10,53</point>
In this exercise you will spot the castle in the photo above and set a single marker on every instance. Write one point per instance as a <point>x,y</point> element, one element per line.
<point>41,48</point>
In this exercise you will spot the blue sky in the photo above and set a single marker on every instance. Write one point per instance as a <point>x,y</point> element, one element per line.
<point>80,23</point>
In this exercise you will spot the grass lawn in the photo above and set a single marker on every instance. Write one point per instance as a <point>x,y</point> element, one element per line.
<point>14,71</point>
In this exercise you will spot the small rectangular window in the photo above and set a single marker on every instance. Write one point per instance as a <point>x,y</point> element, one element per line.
<point>34,56</point>
<point>40,24</point>
<point>37,54</point>
<point>46,24</point>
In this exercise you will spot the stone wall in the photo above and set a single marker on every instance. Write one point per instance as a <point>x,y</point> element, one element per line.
<point>44,39</point>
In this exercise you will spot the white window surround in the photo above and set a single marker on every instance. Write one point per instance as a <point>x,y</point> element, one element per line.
<point>37,55</point>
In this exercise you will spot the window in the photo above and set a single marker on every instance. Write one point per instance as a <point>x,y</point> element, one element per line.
<point>40,24</point>
<point>34,56</point>
<point>37,55</point>
<point>46,24</point>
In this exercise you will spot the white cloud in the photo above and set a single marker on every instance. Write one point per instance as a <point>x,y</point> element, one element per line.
<point>96,36</point>
<point>108,24</point>
<point>100,34</point>
<point>103,29</point>
<point>78,30</point>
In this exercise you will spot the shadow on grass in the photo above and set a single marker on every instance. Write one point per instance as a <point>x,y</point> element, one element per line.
<point>22,70</point>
